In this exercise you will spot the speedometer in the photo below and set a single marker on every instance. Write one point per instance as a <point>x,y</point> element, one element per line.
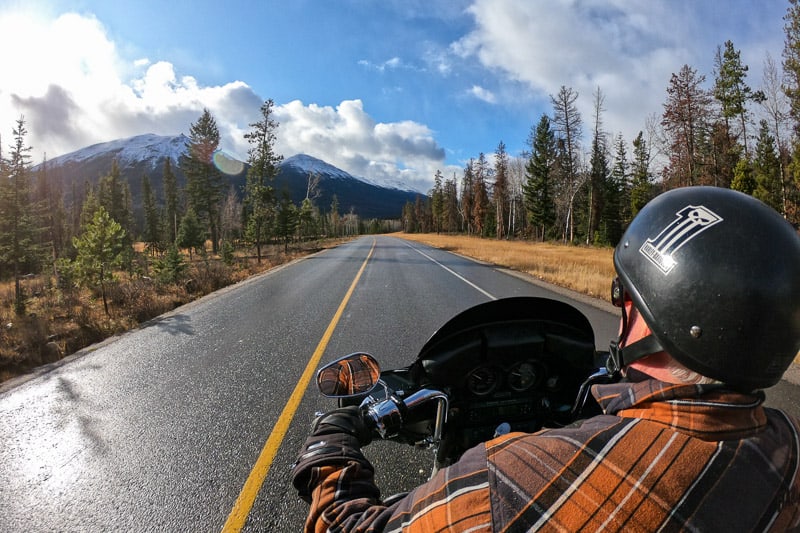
<point>482,381</point>
<point>523,376</point>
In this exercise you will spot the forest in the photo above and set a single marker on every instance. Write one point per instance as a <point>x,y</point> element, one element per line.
<point>92,267</point>
<point>575,183</point>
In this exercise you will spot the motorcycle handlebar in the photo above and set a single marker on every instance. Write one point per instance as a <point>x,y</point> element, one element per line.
<point>388,416</point>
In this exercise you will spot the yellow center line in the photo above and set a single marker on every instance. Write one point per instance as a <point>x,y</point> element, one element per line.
<point>241,509</point>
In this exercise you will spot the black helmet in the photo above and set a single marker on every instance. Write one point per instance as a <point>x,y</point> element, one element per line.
<point>716,276</point>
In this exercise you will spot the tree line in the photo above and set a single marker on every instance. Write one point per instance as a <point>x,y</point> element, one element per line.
<point>577,188</point>
<point>86,241</point>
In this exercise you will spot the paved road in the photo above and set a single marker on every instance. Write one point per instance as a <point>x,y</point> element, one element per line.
<point>158,430</point>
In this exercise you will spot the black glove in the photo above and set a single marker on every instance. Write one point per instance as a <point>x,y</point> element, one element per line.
<point>343,420</point>
<point>336,439</point>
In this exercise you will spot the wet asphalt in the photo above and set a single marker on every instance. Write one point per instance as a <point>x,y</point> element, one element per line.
<point>158,429</point>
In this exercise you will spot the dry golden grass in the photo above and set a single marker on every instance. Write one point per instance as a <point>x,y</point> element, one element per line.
<point>588,270</point>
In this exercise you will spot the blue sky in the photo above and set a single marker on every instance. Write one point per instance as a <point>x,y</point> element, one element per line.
<point>386,89</point>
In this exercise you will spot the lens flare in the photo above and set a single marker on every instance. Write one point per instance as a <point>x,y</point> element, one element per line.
<point>227,163</point>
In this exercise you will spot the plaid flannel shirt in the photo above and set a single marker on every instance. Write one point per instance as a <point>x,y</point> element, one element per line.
<point>663,458</point>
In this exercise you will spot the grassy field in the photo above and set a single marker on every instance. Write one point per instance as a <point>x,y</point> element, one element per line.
<point>581,268</point>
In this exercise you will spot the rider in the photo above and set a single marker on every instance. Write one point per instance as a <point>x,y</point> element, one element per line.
<point>709,286</point>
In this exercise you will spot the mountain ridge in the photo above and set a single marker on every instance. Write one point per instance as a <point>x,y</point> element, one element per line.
<point>146,154</point>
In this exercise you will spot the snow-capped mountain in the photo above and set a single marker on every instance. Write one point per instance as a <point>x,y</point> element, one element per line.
<point>145,155</point>
<point>312,165</point>
<point>130,151</point>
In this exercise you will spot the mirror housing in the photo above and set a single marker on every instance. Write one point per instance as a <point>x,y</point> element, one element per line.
<point>352,375</point>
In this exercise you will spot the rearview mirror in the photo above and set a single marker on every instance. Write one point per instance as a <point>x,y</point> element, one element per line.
<point>352,375</point>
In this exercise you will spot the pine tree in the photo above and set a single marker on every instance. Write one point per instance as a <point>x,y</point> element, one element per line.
<point>190,233</point>
<point>468,197</point>
<point>791,62</point>
<point>334,217</point>
<point>112,193</point>
<point>685,122</point>
<point>306,219</point>
<point>641,177</point>
<point>49,196</point>
<point>791,88</point>
<point>259,200</point>
<point>480,205</point>
<point>19,221</point>
<point>767,169</point>
<point>538,187</point>
<point>743,179</point>
<point>776,105</point>
<point>170,184</point>
<point>100,249</point>
<point>732,92</point>
<point>450,205</point>
<point>616,195</point>
<point>204,185</point>
<point>152,219</point>
<point>437,202</point>
<point>500,190</point>
<point>598,176</point>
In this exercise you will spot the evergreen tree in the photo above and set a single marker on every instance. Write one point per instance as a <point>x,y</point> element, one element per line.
<point>54,222</point>
<point>112,194</point>
<point>307,219</point>
<point>170,185</point>
<point>641,177</point>
<point>480,204</point>
<point>171,267</point>
<point>685,122</point>
<point>409,218</point>
<point>450,205</point>
<point>791,88</point>
<point>617,194</point>
<point>19,222</point>
<point>598,176</point>
<point>334,217</point>
<point>285,220</point>
<point>100,250</point>
<point>538,188</point>
<point>437,202</point>
<point>791,62</point>
<point>260,206</point>
<point>732,92</point>
<point>152,219</point>
<point>191,234</point>
<point>767,170</point>
<point>204,184</point>
<point>500,191</point>
<point>776,105</point>
<point>743,179</point>
<point>468,197</point>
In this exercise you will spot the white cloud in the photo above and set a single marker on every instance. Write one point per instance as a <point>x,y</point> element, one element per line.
<point>390,64</point>
<point>627,49</point>
<point>349,138</point>
<point>72,93</point>
<point>483,94</point>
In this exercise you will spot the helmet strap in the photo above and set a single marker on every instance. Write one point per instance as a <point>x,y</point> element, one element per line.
<point>619,357</point>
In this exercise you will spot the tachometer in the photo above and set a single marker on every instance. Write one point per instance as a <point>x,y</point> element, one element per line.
<point>482,381</point>
<point>523,376</point>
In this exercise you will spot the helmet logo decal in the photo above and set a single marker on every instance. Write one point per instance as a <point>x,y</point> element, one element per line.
<point>688,224</point>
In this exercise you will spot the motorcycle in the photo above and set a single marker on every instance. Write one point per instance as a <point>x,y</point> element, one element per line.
<point>513,364</point>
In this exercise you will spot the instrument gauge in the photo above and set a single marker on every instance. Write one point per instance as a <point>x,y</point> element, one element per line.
<point>482,381</point>
<point>523,376</point>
